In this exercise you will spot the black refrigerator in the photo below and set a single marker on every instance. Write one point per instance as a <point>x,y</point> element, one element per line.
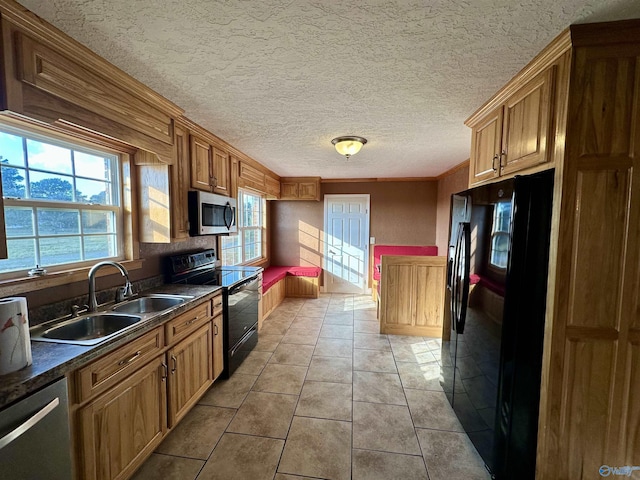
<point>497,282</point>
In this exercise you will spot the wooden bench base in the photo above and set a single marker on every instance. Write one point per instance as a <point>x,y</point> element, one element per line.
<point>290,286</point>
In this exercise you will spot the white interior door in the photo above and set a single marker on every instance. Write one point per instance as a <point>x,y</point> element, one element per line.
<point>346,253</point>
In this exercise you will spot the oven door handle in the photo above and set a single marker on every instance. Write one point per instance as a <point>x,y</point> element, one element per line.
<point>243,285</point>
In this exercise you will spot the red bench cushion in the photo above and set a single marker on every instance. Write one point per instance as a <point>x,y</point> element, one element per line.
<point>379,250</point>
<point>304,271</point>
<point>271,276</point>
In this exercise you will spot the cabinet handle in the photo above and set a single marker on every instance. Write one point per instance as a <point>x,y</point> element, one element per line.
<point>217,305</point>
<point>189,322</point>
<point>130,359</point>
<point>215,329</point>
<point>165,371</point>
<point>175,364</point>
<point>493,163</point>
<point>502,154</point>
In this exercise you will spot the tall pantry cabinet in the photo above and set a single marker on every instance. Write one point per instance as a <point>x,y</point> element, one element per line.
<point>590,392</point>
<point>590,405</point>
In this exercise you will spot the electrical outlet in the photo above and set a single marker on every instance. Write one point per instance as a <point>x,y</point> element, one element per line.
<point>372,240</point>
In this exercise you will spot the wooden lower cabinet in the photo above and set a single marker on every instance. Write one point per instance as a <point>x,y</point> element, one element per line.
<point>191,372</point>
<point>412,295</point>
<point>121,428</point>
<point>218,346</point>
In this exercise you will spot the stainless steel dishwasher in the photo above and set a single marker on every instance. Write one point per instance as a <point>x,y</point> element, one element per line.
<point>34,436</point>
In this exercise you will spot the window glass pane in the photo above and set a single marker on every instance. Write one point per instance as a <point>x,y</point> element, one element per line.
<point>51,187</point>
<point>94,221</point>
<point>12,149</point>
<point>18,221</point>
<point>499,250</point>
<point>52,158</point>
<point>92,166</point>
<point>22,255</point>
<point>13,182</point>
<point>54,251</point>
<point>251,210</point>
<point>94,192</point>
<point>99,246</point>
<point>58,221</point>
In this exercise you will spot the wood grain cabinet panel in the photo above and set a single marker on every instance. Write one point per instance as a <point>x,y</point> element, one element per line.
<point>589,414</point>
<point>121,428</point>
<point>300,188</point>
<point>114,367</point>
<point>180,182</point>
<point>516,135</point>
<point>412,295</point>
<point>201,164</point>
<point>218,346</point>
<point>187,322</point>
<point>221,176</point>
<point>191,372</point>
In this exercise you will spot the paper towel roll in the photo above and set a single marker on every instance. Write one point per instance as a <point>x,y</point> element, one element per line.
<point>15,341</point>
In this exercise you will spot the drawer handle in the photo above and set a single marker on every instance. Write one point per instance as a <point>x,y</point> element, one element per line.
<point>130,359</point>
<point>189,322</point>
<point>175,364</point>
<point>30,422</point>
<point>217,305</point>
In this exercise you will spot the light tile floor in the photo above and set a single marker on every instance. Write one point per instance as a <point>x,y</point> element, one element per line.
<point>325,396</point>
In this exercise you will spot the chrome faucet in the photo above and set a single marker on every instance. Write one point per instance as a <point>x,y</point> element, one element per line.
<point>122,293</point>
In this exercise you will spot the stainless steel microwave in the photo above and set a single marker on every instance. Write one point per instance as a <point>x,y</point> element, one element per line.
<point>211,214</point>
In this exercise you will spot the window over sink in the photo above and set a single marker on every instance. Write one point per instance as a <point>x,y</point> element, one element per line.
<point>247,245</point>
<point>62,202</point>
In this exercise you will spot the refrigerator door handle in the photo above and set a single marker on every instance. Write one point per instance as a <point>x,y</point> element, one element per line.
<point>460,296</point>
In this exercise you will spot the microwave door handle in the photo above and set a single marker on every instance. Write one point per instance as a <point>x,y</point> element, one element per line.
<point>229,208</point>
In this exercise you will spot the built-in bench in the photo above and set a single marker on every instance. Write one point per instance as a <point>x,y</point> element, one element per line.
<point>279,282</point>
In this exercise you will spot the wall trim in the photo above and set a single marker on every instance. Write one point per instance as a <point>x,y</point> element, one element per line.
<point>453,170</point>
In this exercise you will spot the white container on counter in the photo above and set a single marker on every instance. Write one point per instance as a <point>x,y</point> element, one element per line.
<point>15,342</point>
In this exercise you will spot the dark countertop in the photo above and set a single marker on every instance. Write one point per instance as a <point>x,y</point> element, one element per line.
<point>52,361</point>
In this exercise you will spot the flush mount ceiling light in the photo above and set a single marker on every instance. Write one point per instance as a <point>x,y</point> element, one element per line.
<point>348,146</point>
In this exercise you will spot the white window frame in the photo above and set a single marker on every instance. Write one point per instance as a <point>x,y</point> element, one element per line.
<point>261,229</point>
<point>117,208</point>
<point>495,232</point>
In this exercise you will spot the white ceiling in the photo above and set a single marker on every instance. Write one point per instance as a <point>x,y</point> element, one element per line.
<point>278,79</point>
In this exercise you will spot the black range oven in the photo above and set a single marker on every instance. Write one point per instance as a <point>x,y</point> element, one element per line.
<point>241,289</point>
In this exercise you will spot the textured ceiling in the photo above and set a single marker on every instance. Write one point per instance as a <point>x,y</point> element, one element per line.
<point>278,79</point>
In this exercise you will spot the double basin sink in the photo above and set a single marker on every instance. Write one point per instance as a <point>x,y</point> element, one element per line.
<point>94,328</point>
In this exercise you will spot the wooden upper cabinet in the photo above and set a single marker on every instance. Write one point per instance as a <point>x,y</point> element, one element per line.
<point>526,125</point>
<point>201,164</point>
<point>221,167</point>
<point>485,147</point>
<point>51,77</point>
<point>272,187</point>
<point>180,182</point>
<point>300,188</point>
<point>516,135</point>
<point>209,167</point>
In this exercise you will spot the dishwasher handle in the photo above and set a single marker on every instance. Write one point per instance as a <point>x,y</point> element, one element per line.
<point>32,421</point>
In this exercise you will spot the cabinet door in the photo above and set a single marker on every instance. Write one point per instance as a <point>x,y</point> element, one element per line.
<point>526,125</point>
<point>191,372</point>
<point>288,190</point>
<point>180,186</point>
<point>121,428</point>
<point>221,172</point>
<point>201,164</point>
<point>485,148</point>
<point>308,191</point>
<point>218,346</point>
